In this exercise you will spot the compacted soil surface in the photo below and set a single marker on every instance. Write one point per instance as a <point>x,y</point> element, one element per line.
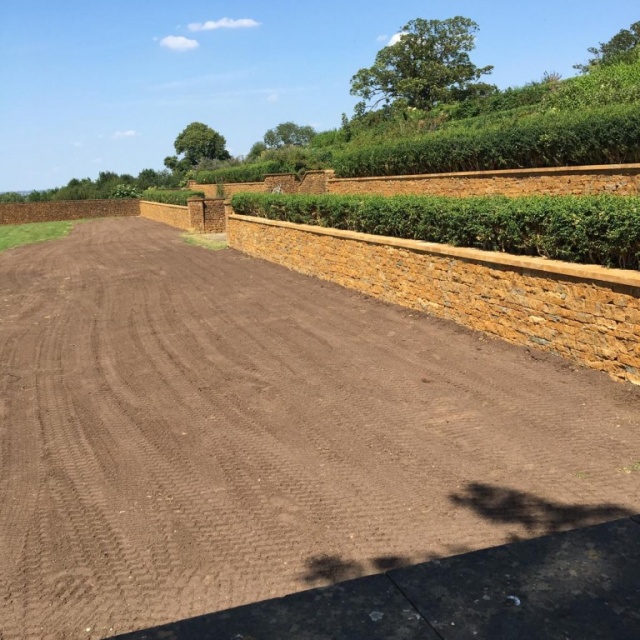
<point>183,431</point>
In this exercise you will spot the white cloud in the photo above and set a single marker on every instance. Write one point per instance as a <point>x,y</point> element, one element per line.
<point>223,23</point>
<point>395,38</point>
<point>383,38</point>
<point>124,134</point>
<point>272,97</point>
<point>179,43</point>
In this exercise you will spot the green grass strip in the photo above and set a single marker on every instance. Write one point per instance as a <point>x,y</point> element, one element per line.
<point>15,235</point>
<point>198,240</point>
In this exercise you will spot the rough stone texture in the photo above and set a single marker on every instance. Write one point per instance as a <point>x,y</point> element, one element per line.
<point>620,179</point>
<point>614,179</point>
<point>171,214</point>
<point>587,320</point>
<point>314,182</point>
<point>66,210</point>
<point>231,188</point>
<point>281,183</point>
<point>214,220</point>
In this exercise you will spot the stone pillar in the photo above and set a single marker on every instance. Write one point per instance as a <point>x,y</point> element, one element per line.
<point>196,214</point>
<point>215,220</point>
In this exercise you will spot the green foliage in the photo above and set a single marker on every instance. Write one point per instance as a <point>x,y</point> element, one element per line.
<point>19,234</point>
<point>256,151</point>
<point>427,66</point>
<point>288,133</point>
<point>241,173</point>
<point>125,191</point>
<point>179,197</point>
<point>150,178</point>
<point>11,197</point>
<point>199,141</point>
<point>600,136</point>
<point>601,230</point>
<point>623,48</point>
<point>606,85</point>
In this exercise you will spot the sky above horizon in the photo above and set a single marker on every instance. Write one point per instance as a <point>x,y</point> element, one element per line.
<point>107,86</point>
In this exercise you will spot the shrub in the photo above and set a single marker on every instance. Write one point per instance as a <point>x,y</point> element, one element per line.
<point>124,191</point>
<point>241,173</point>
<point>11,197</point>
<point>616,84</point>
<point>600,136</point>
<point>601,230</point>
<point>178,197</point>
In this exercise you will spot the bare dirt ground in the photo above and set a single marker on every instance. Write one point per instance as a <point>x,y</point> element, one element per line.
<point>183,431</point>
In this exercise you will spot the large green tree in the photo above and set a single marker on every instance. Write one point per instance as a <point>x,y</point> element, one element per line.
<point>427,65</point>
<point>198,141</point>
<point>288,134</point>
<point>624,47</point>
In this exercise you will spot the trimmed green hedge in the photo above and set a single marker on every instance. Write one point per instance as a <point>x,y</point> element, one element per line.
<point>240,173</point>
<point>602,230</point>
<point>167,196</point>
<point>600,136</point>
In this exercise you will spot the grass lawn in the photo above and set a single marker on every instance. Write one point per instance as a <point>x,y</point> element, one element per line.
<point>13,235</point>
<point>202,240</point>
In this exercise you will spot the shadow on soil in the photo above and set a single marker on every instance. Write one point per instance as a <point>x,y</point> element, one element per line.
<point>501,505</point>
<point>537,515</point>
<point>577,584</point>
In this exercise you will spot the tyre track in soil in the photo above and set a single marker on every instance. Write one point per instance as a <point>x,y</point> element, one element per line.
<point>182,431</point>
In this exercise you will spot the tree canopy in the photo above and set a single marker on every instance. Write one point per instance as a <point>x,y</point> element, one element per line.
<point>624,47</point>
<point>428,65</point>
<point>198,141</point>
<point>288,133</point>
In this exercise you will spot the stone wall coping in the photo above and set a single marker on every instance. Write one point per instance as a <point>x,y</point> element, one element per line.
<point>166,204</point>
<point>273,175</point>
<point>74,202</point>
<point>580,271</point>
<point>588,169</point>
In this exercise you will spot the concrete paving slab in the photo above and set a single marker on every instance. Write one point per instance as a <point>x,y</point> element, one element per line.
<point>365,609</point>
<point>581,584</point>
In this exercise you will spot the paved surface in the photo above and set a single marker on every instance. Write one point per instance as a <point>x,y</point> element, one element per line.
<point>581,584</point>
<point>185,431</point>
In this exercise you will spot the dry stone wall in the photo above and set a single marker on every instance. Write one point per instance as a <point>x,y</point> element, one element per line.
<point>171,214</point>
<point>66,210</point>
<point>588,314</point>
<point>623,179</point>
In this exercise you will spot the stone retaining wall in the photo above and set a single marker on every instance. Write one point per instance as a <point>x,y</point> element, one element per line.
<point>615,179</point>
<point>171,214</point>
<point>23,213</point>
<point>619,179</point>
<point>586,313</point>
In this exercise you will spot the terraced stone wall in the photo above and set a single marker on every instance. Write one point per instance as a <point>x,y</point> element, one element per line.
<point>616,179</point>
<point>171,214</point>
<point>588,314</point>
<point>621,179</point>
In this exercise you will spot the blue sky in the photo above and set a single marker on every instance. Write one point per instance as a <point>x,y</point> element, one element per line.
<point>95,86</point>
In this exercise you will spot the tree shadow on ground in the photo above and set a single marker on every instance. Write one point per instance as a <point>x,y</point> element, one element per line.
<point>501,505</point>
<point>330,569</point>
<point>537,515</point>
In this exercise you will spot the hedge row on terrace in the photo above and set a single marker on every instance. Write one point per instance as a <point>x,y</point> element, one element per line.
<point>602,230</point>
<point>240,173</point>
<point>171,197</point>
<point>601,136</point>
